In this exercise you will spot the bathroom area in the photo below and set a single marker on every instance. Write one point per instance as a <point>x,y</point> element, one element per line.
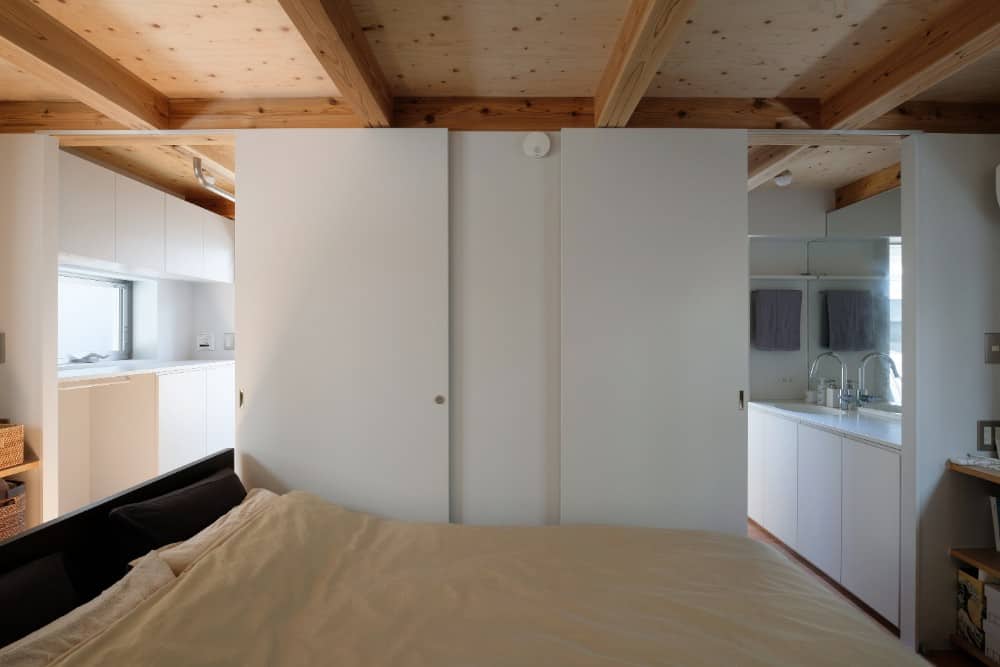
<point>826,385</point>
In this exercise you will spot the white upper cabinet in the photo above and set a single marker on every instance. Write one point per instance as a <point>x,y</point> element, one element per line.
<point>184,238</point>
<point>139,225</point>
<point>86,209</point>
<point>220,236</point>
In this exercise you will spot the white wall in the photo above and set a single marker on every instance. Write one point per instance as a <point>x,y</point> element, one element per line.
<point>951,283</point>
<point>793,212</point>
<point>654,330</point>
<point>29,219</point>
<point>505,330</point>
<point>167,315</point>
<point>215,313</point>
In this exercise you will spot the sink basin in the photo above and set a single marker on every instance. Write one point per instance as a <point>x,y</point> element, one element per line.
<point>808,408</point>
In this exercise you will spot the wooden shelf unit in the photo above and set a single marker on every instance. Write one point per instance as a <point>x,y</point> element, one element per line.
<point>976,471</point>
<point>973,651</point>
<point>30,463</point>
<point>984,558</point>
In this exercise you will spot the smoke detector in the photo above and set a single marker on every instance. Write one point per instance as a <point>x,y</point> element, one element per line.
<point>537,144</point>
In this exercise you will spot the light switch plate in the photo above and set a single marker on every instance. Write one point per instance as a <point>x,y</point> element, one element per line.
<point>228,341</point>
<point>986,435</point>
<point>993,348</point>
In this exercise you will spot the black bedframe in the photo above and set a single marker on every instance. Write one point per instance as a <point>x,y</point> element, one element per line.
<point>95,556</point>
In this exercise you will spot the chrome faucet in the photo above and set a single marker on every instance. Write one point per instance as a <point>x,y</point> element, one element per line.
<point>815,365</point>
<point>862,396</point>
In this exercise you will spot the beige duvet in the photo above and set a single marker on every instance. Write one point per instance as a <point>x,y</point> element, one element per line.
<point>309,583</point>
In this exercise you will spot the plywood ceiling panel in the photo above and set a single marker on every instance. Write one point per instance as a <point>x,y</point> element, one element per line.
<point>490,48</point>
<point>161,165</point>
<point>18,85</point>
<point>785,48</point>
<point>979,82</point>
<point>194,48</point>
<point>834,166</point>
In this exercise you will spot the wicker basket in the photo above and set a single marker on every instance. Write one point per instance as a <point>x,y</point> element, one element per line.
<point>12,510</point>
<point>11,445</point>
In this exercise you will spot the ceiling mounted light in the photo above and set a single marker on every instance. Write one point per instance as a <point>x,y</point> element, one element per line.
<point>784,179</point>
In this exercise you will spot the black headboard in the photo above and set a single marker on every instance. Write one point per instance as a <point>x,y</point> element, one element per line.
<point>94,556</point>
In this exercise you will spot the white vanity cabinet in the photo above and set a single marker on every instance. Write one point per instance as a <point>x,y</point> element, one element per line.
<point>220,408</point>
<point>181,420</point>
<point>818,537</point>
<point>86,209</point>
<point>756,464</point>
<point>781,479</point>
<point>833,499</point>
<point>871,526</point>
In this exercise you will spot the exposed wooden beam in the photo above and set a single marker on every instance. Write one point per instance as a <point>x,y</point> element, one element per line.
<point>779,138</point>
<point>727,112</point>
<point>648,31</point>
<point>869,186</point>
<point>213,117</point>
<point>495,113</point>
<point>244,114</point>
<point>766,162</point>
<point>23,117</point>
<point>149,139</point>
<point>940,117</point>
<point>946,45</point>
<point>332,31</point>
<point>34,41</point>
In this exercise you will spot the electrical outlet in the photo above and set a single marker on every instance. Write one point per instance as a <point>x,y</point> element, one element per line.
<point>993,348</point>
<point>988,435</point>
<point>228,341</point>
<point>206,342</point>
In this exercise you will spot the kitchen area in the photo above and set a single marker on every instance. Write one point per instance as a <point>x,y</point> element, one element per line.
<point>146,332</point>
<point>826,371</point>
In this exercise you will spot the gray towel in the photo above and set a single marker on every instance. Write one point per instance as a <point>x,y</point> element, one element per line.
<point>850,321</point>
<point>775,315</point>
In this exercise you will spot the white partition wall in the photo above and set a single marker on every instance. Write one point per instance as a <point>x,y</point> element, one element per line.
<point>342,309</point>
<point>654,330</point>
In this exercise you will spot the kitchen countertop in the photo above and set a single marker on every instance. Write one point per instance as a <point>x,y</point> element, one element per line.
<point>71,374</point>
<point>882,430</point>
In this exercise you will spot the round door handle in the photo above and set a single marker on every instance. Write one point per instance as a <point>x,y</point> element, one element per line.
<point>439,399</point>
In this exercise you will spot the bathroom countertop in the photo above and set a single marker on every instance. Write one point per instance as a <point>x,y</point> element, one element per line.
<point>70,375</point>
<point>886,430</point>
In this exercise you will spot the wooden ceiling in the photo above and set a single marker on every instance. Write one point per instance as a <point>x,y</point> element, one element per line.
<point>160,65</point>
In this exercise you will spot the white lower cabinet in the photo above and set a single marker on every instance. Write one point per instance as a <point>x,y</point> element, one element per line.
<point>818,537</point>
<point>220,408</point>
<point>780,478</point>
<point>834,500</point>
<point>870,567</point>
<point>756,464</point>
<point>181,418</point>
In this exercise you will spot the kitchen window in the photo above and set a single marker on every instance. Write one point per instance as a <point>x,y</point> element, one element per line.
<point>95,318</point>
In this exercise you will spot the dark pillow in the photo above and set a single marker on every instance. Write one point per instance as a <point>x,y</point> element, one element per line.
<point>180,514</point>
<point>34,595</point>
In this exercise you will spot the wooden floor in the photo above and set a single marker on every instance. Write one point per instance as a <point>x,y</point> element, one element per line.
<point>939,658</point>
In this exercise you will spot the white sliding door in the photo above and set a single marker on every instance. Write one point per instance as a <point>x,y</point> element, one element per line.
<point>342,314</point>
<point>654,338</point>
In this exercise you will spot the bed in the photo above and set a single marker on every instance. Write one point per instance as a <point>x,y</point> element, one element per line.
<point>302,581</point>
